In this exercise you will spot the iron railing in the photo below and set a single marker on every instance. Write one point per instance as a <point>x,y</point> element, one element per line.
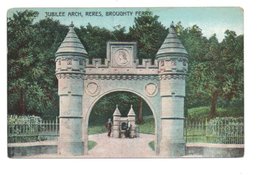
<point>31,128</point>
<point>223,131</point>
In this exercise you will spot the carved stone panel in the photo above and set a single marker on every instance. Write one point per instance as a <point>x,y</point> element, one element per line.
<point>151,89</point>
<point>92,89</point>
<point>122,54</point>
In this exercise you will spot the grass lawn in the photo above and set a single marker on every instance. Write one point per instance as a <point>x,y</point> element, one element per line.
<point>91,144</point>
<point>147,127</point>
<point>195,115</point>
<point>96,129</point>
<point>151,145</point>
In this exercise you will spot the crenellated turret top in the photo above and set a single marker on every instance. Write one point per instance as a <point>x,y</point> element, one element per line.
<point>71,44</point>
<point>171,45</point>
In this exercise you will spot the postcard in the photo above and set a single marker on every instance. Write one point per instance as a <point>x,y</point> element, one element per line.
<point>125,82</point>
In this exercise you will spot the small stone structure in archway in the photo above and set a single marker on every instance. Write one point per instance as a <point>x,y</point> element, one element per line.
<point>118,120</point>
<point>82,82</point>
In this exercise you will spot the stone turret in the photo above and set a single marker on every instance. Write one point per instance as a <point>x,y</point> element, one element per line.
<point>171,46</point>
<point>70,64</point>
<point>71,45</point>
<point>116,122</point>
<point>131,118</point>
<point>131,112</point>
<point>172,59</point>
<point>117,112</point>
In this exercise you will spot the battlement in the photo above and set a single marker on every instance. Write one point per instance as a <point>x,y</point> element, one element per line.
<point>106,63</point>
<point>105,66</point>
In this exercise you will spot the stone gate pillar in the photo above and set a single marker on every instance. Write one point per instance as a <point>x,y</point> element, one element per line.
<point>116,122</point>
<point>172,58</point>
<point>70,68</point>
<point>131,118</point>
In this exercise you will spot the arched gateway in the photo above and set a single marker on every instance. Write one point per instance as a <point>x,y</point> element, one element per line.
<point>83,82</point>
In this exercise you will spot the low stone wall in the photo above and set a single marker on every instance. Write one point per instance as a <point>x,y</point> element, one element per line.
<point>192,150</point>
<point>32,148</point>
<point>215,150</point>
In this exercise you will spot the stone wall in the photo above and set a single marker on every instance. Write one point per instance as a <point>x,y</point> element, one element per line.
<point>31,149</point>
<point>214,150</point>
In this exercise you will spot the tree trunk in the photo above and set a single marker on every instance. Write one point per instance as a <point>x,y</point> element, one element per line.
<point>213,106</point>
<point>22,103</point>
<point>140,111</point>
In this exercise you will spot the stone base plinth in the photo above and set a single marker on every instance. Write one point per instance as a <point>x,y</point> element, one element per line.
<point>171,149</point>
<point>70,148</point>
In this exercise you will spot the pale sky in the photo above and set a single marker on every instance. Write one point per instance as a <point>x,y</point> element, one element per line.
<point>210,20</point>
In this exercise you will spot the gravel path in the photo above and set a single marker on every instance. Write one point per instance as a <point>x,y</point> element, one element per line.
<point>108,147</point>
<point>121,148</point>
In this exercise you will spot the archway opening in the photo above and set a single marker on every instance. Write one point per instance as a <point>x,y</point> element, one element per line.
<point>103,110</point>
<point>105,107</point>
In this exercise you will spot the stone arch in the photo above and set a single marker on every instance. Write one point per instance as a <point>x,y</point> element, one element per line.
<point>100,96</point>
<point>164,92</point>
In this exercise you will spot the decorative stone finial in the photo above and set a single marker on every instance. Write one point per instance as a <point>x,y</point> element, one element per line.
<point>71,44</point>
<point>171,46</point>
<point>71,24</point>
<point>117,112</point>
<point>172,25</point>
<point>131,111</point>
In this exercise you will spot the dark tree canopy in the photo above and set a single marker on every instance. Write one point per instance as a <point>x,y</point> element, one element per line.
<point>149,34</point>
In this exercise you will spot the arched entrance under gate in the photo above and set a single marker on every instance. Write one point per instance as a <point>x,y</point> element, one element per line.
<point>90,102</point>
<point>98,115</point>
<point>160,82</point>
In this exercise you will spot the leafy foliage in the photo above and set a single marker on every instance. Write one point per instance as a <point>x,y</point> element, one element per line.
<point>20,126</point>
<point>149,34</point>
<point>32,85</point>
<point>200,114</point>
<point>215,68</point>
<point>108,104</point>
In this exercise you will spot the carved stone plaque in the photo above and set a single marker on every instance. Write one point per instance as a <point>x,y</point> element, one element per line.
<point>92,89</point>
<point>122,54</point>
<point>151,89</point>
<point>122,57</point>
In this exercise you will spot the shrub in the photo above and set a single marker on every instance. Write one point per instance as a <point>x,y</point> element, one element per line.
<point>198,114</point>
<point>24,128</point>
<point>227,130</point>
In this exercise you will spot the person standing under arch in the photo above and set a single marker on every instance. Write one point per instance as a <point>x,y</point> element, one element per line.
<point>109,127</point>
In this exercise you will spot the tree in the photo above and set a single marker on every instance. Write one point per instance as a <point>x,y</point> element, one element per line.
<point>196,46</point>
<point>94,40</point>
<point>108,104</point>
<point>32,85</point>
<point>149,34</point>
<point>219,73</point>
<point>20,36</point>
<point>215,68</point>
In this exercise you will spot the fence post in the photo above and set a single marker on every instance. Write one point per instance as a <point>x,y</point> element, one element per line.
<point>186,130</point>
<point>206,130</point>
